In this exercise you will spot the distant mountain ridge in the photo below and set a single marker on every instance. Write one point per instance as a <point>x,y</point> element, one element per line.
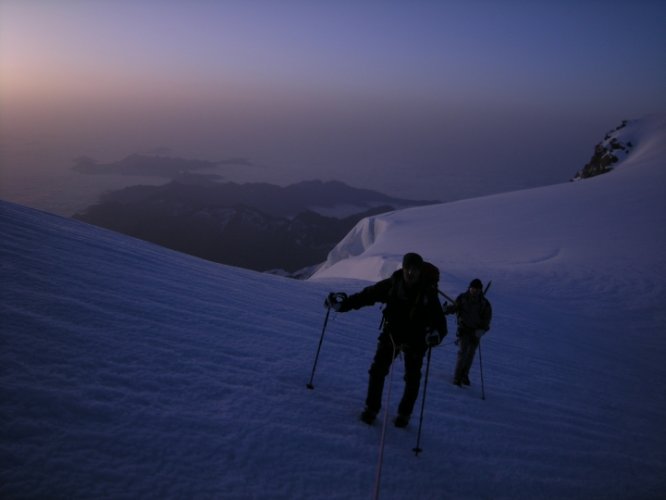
<point>196,191</point>
<point>256,226</point>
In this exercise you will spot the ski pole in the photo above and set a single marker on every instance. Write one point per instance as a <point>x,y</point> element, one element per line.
<point>321,339</point>
<point>446,296</point>
<point>417,449</point>
<point>483,391</point>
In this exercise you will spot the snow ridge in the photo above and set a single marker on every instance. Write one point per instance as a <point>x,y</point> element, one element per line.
<point>566,224</point>
<point>356,243</point>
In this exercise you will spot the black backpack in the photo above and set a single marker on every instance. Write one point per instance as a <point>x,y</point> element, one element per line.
<point>430,275</point>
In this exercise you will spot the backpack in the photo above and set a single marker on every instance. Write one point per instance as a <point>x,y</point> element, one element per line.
<point>429,282</point>
<point>430,275</point>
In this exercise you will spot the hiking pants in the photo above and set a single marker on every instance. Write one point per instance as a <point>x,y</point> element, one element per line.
<point>381,364</point>
<point>467,345</point>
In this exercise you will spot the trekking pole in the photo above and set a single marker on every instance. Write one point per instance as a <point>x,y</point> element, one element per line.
<point>417,449</point>
<point>446,296</point>
<point>483,391</point>
<point>321,339</point>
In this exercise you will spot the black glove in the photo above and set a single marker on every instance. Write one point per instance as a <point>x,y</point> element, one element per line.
<point>337,301</point>
<point>448,309</point>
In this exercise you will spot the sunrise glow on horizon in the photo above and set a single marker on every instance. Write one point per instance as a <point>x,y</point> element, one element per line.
<point>318,89</point>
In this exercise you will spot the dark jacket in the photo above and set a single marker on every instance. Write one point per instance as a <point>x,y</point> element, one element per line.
<point>473,313</point>
<point>409,311</point>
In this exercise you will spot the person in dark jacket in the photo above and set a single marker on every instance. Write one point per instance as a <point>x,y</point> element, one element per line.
<point>474,313</point>
<point>413,320</point>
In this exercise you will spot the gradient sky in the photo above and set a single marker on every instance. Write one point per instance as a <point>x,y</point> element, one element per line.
<point>416,98</point>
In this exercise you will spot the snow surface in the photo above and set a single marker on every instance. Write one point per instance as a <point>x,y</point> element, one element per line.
<point>132,371</point>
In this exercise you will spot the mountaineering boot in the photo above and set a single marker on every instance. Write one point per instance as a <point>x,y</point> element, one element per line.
<point>368,416</point>
<point>465,380</point>
<point>401,421</point>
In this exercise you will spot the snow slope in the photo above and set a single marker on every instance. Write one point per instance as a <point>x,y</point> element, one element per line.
<point>558,229</point>
<point>129,370</point>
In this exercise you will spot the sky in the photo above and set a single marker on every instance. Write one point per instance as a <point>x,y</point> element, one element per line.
<point>132,371</point>
<point>430,100</point>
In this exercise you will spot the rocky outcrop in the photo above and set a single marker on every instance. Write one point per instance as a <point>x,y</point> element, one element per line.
<point>606,154</point>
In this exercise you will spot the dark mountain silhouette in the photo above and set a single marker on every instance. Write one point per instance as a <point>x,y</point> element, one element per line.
<point>257,226</point>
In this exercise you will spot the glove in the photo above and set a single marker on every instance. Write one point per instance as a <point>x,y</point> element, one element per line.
<point>337,301</point>
<point>448,309</point>
<point>433,338</point>
<point>479,333</point>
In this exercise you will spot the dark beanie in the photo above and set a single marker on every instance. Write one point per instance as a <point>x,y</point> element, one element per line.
<point>412,259</point>
<point>476,283</point>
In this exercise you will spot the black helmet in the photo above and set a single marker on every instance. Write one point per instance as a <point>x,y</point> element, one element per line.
<point>476,283</point>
